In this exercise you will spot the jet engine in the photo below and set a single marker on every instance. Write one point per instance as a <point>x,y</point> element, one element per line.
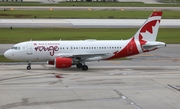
<point>63,62</point>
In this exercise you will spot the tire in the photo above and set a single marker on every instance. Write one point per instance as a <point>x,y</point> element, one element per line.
<point>85,67</point>
<point>28,67</point>
<point>79,65</point>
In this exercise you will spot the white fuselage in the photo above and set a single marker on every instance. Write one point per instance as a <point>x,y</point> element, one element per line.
<point>49,50</point>
<point>88,50</point>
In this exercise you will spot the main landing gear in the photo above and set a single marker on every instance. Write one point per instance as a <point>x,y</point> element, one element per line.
<point>29,65</point>
<point>83,66</point>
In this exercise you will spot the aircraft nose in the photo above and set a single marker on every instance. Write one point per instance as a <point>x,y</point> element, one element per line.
<point>7,54</point>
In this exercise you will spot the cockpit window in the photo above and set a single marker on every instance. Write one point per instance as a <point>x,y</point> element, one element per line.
<point>15,48</point>
<point>12,48</point>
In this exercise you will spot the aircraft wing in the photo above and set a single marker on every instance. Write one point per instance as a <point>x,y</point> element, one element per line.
<point>84,55</point>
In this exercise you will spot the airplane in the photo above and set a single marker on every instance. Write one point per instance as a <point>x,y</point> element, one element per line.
<point>64,54</point>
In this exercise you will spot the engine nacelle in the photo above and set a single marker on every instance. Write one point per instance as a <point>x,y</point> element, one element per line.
<point>63,62</point>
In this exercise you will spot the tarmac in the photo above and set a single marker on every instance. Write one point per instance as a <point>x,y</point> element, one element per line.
<point>148,81</point>
<point>83,23</point>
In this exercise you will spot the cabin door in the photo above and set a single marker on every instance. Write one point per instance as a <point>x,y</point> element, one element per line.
<point>29,49</point>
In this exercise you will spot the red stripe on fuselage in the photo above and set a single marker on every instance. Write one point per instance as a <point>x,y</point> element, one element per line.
<point>129,50</point>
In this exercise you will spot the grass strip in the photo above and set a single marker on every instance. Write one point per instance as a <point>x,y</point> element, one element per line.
<point>79,14</point>
<point>16,35</point>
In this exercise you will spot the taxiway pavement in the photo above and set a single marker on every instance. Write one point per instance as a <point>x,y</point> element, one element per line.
<point>83,23</point>
<point>140,83</point>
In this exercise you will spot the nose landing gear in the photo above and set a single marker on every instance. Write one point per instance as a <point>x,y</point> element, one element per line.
<point>29,65</point>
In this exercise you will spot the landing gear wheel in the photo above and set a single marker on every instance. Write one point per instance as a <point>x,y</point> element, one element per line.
<point>79,65</point>
<point>85,67</point>
<point>28,67</point>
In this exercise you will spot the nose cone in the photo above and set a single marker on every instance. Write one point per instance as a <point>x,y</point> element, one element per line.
<point>7,54</point>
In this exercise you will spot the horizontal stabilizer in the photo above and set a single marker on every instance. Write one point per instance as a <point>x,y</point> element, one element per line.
<point>153,45</point>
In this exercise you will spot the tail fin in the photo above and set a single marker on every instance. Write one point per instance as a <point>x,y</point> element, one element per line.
<point>149,30</point>
<point>144,40</point>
